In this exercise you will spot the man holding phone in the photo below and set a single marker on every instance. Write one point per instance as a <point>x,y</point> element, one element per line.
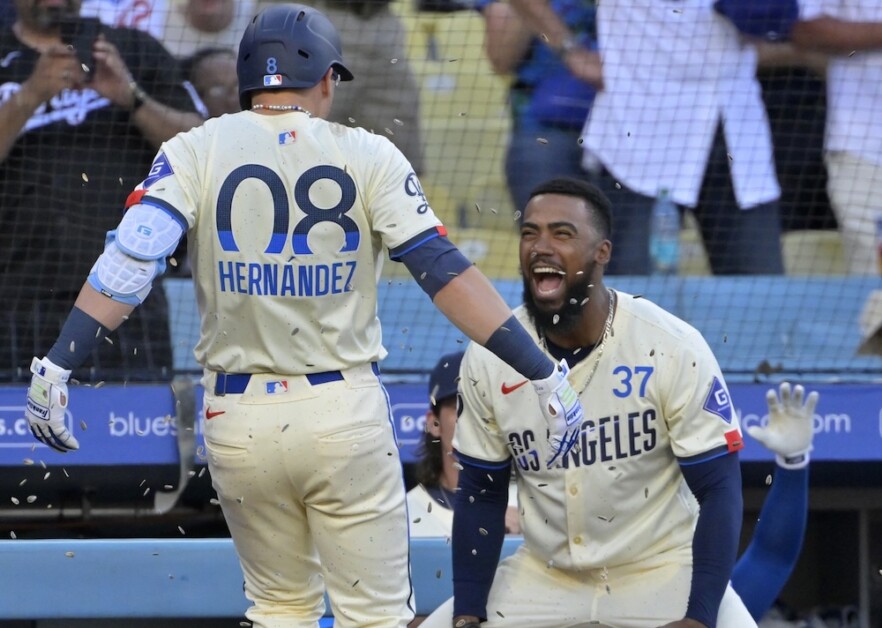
<point>83,108</point>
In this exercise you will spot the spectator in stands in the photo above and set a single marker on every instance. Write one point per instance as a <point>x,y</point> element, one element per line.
<point>183,26</point>
<point>430,502</point>
<point>680,110</point>
<point>385,99</point>
<point>212,72</point>
<point>551,91</point>
<point>71,144</point>
<point>144,15</point>
<point>195,24</point>
<point>793,87</point>
<point>851,32</point>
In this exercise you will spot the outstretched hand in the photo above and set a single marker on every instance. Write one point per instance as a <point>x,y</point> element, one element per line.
<point>111,76</point>
<point>789,432</point>
<point>57,69</point>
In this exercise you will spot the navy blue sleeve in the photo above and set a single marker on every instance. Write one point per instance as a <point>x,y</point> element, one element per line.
<point>79,336</point>
<point>432,259</point>
<point>763,569</point>
<point>478,532</point>
<point>716,484</point>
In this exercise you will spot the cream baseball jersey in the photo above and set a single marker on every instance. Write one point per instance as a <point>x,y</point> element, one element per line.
<point>289,217</point>
<point>656,398</point>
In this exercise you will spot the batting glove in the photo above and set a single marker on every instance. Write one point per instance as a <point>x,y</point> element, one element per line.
<point>789,432</point>
<point>47,405</point>
<point>562,411</point>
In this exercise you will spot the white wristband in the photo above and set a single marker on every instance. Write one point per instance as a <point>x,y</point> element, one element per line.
<point>49,371</point>
<point>793,461</point>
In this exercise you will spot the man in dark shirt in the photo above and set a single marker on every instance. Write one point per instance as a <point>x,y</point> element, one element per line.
<point>83,108</point>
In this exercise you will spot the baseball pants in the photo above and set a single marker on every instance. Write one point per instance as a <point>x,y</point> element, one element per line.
<point>310,483</point>
<point>527,592</point>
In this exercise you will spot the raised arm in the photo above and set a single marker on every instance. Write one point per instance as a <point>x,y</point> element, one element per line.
<point>763,569</point>
<point>836,36</point>
<point>56,69</point>
<point>547,24</point>
<point>506,37</point>
<point>156,121</point>
<point>468,299</point>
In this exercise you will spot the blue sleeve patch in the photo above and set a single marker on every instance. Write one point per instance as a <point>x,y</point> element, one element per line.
<point>159,170</point>
<point>718,401</point>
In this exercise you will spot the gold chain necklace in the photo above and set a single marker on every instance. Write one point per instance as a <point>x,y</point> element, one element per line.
<point>607,332</point>
<point>281,108</point>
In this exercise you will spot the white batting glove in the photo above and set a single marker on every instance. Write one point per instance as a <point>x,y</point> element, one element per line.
<point>789,432</point>
<point>562,411</point>
<point>47,404</point>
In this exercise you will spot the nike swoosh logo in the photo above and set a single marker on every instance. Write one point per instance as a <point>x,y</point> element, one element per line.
<point>210,415</point>
<point>510,389</point>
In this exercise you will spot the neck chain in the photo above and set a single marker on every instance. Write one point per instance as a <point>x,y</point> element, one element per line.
<point>281,108</point>
<point>598,348</point>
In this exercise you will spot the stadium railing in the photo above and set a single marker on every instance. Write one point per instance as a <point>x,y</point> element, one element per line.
<point>131,578</point>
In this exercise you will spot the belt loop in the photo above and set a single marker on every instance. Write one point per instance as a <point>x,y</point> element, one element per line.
<point>220,384</point>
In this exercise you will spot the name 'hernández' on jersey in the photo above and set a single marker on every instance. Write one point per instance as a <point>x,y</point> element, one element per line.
<point>288,279</point>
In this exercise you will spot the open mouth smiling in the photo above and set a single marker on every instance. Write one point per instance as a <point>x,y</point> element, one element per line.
<point>547,280</point>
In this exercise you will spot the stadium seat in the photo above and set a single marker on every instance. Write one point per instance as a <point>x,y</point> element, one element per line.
<point>813,252</point>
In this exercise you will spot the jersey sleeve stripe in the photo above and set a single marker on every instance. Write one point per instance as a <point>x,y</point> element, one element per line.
<point>716,452</point>
<point>482,464</point>
<point>167,208</point>
<point>417,240</point>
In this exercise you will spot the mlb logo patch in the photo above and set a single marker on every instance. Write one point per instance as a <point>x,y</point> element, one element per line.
<point>288,137</point>
<point>718,401</point>
<point>277,388</point>
<point>272,80</point>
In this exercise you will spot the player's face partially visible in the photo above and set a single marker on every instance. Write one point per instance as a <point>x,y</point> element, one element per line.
<point>442,424</point>
<point>215,79</point>
<point>44,14</point>
<point>210,16</point>
<point>559,254</point>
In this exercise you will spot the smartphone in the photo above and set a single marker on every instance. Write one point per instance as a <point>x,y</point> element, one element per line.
<point>81,33</point>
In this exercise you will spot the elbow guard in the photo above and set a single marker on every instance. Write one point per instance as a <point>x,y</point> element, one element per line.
<point>134,254</point>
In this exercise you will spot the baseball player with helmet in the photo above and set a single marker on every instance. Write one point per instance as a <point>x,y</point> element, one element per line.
<point>288,218</point>
<point>638,525</point>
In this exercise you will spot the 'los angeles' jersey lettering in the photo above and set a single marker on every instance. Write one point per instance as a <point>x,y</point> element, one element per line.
<point>614,438</point>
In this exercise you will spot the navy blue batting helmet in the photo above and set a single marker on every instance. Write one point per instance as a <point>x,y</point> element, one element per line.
<point>288,46</point>
<point>444,378</point>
